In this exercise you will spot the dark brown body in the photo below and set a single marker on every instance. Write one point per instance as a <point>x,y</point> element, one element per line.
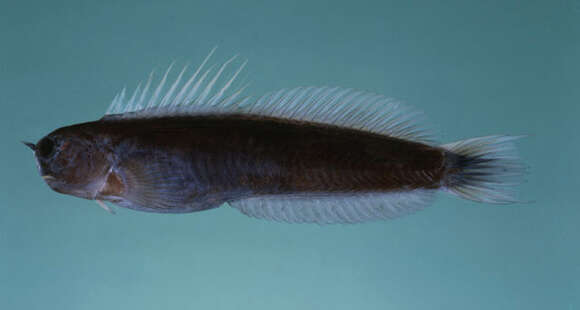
<point>192,163</point>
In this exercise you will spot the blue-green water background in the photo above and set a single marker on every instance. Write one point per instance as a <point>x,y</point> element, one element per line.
<point>474,67</point>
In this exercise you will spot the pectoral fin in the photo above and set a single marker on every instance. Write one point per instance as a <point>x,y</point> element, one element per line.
<point>152,187</point>
<point>105,207</point>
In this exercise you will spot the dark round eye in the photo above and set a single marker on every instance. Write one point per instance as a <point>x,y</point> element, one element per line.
<point>45,147</point>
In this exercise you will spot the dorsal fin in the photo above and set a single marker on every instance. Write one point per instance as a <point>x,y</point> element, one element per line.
<point>343,107</point>
<point>337,106</point>
<point>199,91</point>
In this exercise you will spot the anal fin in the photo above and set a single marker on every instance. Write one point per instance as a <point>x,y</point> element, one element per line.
<point>335,208</point>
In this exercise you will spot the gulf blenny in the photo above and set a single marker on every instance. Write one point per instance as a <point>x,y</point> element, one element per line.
<point>308,154</point>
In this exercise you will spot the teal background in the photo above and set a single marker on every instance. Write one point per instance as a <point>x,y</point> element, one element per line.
<point>475,68</point>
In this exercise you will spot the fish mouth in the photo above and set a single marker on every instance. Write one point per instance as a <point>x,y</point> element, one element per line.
<point>48,177</point>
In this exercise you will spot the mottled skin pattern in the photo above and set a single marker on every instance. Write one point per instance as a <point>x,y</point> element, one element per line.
<point>192,163</point>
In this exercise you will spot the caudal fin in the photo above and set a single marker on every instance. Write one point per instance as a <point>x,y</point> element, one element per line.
<point>484,169</point>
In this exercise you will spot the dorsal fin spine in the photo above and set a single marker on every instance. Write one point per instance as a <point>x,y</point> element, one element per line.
<point>169,94</point>
<point>191,95</point>
<point>132,100</point>
<point>200,94</point>
<point>210,85</point>
<point>157,91</point>
<point>139,105</point>
<point>221,92</point>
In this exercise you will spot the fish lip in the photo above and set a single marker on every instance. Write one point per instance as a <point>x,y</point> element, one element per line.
<point>48,177</point>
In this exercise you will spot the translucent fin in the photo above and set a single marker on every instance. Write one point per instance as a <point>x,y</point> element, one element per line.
<point>327,105</point>
<point>178,98</point>
<point>484,169</point>
<point>105,207</point>
<point>335,208</point>
<point>148,186</point>
<point>200,94</point>
<point>342,107</point>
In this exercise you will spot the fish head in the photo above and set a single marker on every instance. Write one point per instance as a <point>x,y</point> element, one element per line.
<point>72,163</point>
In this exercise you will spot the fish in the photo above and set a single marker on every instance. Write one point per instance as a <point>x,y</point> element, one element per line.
<point>324,155</point>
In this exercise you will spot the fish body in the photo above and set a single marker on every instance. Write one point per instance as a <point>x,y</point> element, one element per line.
<point>204,161</point>
<point>315,154</point>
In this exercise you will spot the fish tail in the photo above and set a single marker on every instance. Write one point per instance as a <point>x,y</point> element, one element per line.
<point>484,169</point>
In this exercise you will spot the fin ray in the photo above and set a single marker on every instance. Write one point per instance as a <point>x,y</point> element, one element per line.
<point>335,208</point>
<point>147,187</point>
<point>336,106</point>
<point>487,169</point>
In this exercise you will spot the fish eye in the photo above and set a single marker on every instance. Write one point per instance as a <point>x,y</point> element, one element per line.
<point>46,147</point>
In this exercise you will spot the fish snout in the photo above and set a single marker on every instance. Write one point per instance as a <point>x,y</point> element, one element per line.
<point>31,145</point>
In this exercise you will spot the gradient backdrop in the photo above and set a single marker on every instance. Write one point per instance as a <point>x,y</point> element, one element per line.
<point>474,67</point>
